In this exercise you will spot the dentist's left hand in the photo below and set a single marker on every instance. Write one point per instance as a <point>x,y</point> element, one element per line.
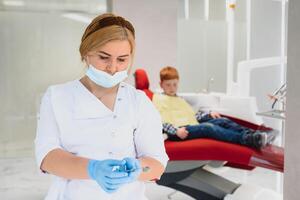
<point>133,167</point>
<point>110,180</point>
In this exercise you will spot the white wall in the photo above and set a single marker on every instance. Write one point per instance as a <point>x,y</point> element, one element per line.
<point>37,50</point>
<point>155,23</point>
<point>265,42</point>
<point>240,34</point>
<point>201,54</point>
<point>202,45</point>
<point>292,136</point>
<point>265,28</point>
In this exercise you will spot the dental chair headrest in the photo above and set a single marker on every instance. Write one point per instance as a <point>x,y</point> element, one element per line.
<point>141,79</point>
<point>142,82</point>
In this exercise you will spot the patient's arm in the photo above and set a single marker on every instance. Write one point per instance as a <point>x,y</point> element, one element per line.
<point>169,129</point>
<point>182,133</point>
<point>202,116</point>
<point>215,115</point>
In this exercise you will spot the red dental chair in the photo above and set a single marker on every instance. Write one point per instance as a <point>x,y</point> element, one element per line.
<point>185,171</point>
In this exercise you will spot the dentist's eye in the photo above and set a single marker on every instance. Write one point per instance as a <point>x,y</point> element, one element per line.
<point>121,60</point>
<point>103,57</point>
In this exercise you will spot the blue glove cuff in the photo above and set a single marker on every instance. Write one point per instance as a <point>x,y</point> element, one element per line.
<point>91,168</point>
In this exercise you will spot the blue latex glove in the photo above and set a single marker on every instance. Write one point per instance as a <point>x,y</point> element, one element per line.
<point>104,174</point>
<point>133,167</point>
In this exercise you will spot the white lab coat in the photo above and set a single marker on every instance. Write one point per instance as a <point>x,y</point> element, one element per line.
<point>73,119</point>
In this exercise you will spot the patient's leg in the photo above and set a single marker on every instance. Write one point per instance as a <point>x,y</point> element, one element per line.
<point>229,124</point>
<point>209,130</point>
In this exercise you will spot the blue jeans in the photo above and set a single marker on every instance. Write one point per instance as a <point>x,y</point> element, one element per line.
<point>220,129</point>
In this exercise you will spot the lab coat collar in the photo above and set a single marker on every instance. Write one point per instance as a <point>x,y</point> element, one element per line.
<point>87,105</point>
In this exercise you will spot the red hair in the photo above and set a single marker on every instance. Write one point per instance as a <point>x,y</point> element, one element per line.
<point>168,73</point>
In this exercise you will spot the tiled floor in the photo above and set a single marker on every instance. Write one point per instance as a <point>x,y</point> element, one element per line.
<point>20,180</point>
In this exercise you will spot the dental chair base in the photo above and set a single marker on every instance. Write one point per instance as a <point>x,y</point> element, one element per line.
<point>195,181</point>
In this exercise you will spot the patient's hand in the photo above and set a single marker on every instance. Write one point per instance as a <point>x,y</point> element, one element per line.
<point>182,133</point>
<point>215,115</point>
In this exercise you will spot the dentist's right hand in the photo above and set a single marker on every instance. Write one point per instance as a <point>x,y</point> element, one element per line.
<point>102,171</point>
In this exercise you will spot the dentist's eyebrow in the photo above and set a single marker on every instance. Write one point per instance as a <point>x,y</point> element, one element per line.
<point>104,53</point>
<point>126,55</point>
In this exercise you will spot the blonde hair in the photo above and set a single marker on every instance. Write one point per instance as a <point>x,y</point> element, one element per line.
<point>168,73</point>
<point>105,28</point>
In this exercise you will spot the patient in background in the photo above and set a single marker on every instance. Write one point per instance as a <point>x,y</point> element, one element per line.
<point>180,122</point>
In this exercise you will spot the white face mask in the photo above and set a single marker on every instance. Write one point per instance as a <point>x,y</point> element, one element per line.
<point>104,79</point>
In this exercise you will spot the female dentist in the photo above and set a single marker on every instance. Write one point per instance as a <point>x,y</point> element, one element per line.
<point>99,136</point>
